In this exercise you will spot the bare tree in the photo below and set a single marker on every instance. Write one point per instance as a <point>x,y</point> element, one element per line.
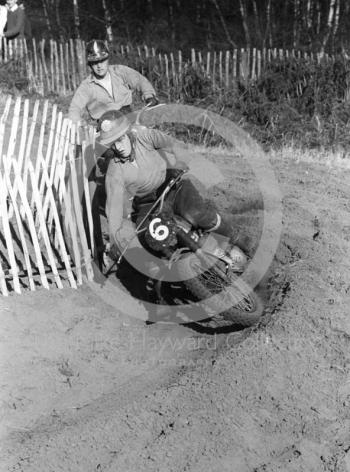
<point>47,16</point>
<point>257,22</point>
<point>150,9</point>
<point>243,10</point>
<point>309,10</point>
<point>108,18</point>
<point>296,23</point>
<point>336,20</point>
<point>267,35</point>
<point>76,18</point>
<point>330,20</point>
<point>223,23</point>
<point>171,21</point>
<point>318,17</point>
<point>58,19</point>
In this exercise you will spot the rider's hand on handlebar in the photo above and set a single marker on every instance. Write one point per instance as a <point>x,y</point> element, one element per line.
<point>114,252</point>
<point>182,166</point>
<point>151,101</point>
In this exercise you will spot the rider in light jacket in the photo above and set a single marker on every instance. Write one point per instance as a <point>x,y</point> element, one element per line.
<point>108,84</point>
<point>141,162</point>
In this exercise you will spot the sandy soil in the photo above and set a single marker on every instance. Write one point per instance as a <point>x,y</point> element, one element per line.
<point>87,388</point>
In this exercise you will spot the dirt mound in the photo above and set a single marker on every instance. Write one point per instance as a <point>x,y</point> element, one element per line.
<point>85,388</point>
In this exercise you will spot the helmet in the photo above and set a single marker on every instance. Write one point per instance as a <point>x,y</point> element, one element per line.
<point>96,51</point>
<point>113,125</point>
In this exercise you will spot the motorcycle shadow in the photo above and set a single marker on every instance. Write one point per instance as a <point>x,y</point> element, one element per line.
<point>147,290</point>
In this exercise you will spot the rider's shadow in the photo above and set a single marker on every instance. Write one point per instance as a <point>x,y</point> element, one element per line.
<point>138,284</point>
<point>148,289</point>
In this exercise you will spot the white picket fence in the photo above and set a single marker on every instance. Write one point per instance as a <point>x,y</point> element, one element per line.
<point>45,217</point>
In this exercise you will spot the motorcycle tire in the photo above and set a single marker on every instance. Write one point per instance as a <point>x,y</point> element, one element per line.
<point>204,280</point>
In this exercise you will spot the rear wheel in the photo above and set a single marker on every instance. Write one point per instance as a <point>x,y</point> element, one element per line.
<point>237,304</point>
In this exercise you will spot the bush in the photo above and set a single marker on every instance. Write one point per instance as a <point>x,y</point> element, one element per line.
<point>301,101</point>
<point>293,101</point>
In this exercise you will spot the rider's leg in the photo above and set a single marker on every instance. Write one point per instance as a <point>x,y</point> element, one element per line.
<point>203,214</point>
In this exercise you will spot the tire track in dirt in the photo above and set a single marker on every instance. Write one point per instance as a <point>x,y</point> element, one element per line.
<point>275,397</point>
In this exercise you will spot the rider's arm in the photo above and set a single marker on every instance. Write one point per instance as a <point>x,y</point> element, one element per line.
<point>114,204</point>
<point>168,144</point>
<point>136,81</point>
<point>79,101</point>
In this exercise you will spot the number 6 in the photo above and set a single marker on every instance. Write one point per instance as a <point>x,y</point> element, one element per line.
<point>159,233</point>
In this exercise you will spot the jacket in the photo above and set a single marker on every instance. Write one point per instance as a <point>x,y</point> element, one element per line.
<point>124,81</point>
<point>15,27</point>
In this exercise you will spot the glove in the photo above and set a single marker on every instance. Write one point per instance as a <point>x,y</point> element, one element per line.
<point>151,101</point>
<point>181,165</point>
<point>114,252</point>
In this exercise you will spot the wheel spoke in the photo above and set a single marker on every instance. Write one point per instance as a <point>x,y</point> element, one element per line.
<point>216,284</point>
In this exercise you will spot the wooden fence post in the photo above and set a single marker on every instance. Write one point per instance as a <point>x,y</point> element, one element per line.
<point>227,68</point>
<point>72,54</point>
<point>77,208</point>
<point>33,233</point>
<point>167,74</point>
<point>235,64</point>
<point>259,64</point>
<point>220,69</point>
<point>14,128</point>
<point>3,122</point>
<point>214,71</point>
<point>253,71</point>
<point>193,57</point>
<point>35,56</point>
<point>180,65</point>
<point>20,227</point>
<point>23,141</point>
<point>7,234</point>
<point>63,77</point>
<point>43,60</point>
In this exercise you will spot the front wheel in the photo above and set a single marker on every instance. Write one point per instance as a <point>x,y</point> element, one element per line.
<point>237,303</point>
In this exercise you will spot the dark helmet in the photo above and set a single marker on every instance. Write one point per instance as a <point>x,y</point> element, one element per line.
<point>96,51</point>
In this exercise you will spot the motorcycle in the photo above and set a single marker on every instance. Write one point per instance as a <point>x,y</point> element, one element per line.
<point>203,265</point>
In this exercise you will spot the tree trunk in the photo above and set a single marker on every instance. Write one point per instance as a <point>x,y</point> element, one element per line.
<point>108,19</point>
<point>223,23</point>
<point>76,19</point>
<point>318,18</point>
<point>257,23</point>
<point>243,9</point>
<point>329,25</point>
<point>198,12</point>
<point>286,20</point>
<point>308,18</point>
<point>150,9</point>
<point>336,20</point>
<point>47,18</point>
<point>58,20</point>
<point>296,23</point>
<point>267,35</point>
<point>171,22</point>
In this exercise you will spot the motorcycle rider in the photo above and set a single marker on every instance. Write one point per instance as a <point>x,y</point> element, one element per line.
<point>107,84</point>
<point>141,162</point>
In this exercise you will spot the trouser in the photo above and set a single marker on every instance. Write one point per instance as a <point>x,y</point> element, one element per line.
<point>98,202</point>
<point>186,201</point>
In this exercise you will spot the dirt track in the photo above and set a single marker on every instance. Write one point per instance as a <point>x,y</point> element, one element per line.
<point>87,389</point>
